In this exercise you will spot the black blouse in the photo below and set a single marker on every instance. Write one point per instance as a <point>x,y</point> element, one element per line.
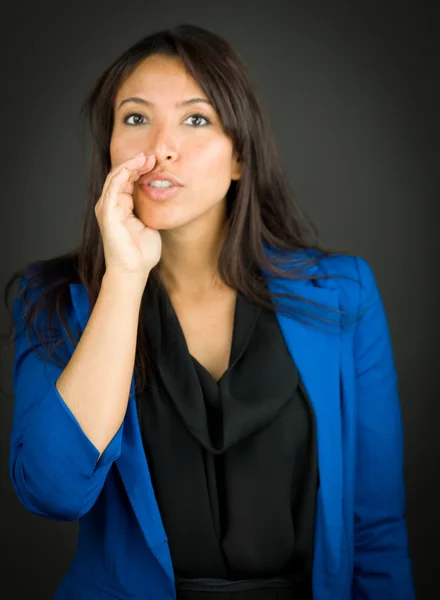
<point>233,462</point>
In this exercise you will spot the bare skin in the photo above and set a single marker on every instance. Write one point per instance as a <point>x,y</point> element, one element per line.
<point>192,223</point>
<point>182,236</point>
<point>207,327</point>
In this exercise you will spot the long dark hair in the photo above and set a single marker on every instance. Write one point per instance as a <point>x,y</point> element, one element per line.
<point>261,209</point>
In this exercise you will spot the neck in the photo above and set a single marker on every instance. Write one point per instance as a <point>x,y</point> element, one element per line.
<point>189,261</point>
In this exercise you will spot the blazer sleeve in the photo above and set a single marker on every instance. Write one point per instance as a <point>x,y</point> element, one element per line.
<point>54,467</point>
<point>382,567</point>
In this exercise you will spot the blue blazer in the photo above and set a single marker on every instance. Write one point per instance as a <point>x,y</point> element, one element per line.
<point>361,545</point>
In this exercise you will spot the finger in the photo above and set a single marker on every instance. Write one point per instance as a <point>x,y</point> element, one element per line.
<point>115,187</point>
<point>145,168</point>
<point>134,162</point>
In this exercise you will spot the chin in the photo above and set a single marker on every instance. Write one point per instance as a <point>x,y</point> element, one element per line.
<point>161,222</point>
<point>167,218</point>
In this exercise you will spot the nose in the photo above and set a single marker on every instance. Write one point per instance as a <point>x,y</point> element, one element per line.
<point>162,144</point>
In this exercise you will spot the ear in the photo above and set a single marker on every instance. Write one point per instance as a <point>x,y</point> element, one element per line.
<point>237,167</point>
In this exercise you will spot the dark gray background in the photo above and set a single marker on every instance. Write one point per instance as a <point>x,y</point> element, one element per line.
<point>352,91</point>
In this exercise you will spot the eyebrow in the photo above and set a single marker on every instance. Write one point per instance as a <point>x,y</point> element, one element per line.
<point>138,100</point>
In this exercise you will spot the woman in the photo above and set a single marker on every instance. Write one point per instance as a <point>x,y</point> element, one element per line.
<point>209,392</point>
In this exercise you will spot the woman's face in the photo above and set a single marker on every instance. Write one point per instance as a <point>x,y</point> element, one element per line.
<point>193,148</point>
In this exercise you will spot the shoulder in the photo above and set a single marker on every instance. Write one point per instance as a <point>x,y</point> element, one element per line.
<point>355,282</point>
<point>350,276</point>
<point>348,265</point>
<point>334,270</point>
<point>43,306</point>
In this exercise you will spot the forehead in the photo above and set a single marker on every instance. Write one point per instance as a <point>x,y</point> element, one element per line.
<point>160,77</point>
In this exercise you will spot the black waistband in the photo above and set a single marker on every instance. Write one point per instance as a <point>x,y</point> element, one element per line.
<point>225,585</point>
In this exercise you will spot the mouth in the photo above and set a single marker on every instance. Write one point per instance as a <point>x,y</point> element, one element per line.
<point>159,176</point>
<point>159,194</point>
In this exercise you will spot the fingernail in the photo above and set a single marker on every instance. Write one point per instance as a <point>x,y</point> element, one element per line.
<point>140,154</point>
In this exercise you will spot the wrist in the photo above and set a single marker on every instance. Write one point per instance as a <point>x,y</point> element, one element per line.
<point>125,283</point>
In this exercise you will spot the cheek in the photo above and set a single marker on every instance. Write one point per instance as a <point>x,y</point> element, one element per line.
<point>116,153</point>
<point>210,158</point>
<point>122,149</point>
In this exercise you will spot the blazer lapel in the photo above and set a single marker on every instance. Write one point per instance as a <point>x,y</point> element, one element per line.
<point>315,350</point>
<point>132,464</point>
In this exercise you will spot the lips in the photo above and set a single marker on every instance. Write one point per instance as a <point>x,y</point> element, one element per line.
<point>161,176</point>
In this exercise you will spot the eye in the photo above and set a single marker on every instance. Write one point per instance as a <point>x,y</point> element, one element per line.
<point>199,116</point>
<point>136,117</point>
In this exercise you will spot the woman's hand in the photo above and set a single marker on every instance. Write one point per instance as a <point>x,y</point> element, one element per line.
<point>130,247</point>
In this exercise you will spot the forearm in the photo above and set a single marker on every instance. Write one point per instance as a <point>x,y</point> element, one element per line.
<point>95,384</point>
